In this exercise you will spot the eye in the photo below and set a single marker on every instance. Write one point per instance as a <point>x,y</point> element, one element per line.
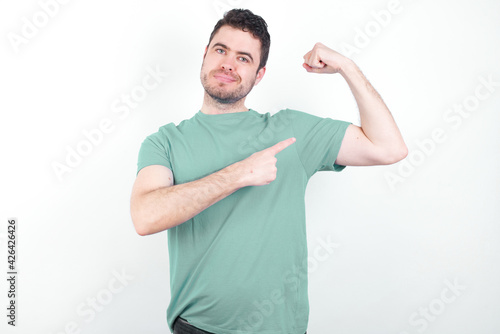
<point>244,59</point>
<point>220,51</point>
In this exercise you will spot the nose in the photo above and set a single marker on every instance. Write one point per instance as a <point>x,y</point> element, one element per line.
<point>228,66</point>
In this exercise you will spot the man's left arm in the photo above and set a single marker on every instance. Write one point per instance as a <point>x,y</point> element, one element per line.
<point>378,140</point>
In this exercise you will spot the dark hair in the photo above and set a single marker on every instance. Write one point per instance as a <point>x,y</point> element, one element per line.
<point>245,20</point>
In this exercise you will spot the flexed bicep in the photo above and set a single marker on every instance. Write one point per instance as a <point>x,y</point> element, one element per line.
<point>357,150</point>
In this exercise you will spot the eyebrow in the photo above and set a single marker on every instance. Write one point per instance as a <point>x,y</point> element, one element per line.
<point>239,52</point>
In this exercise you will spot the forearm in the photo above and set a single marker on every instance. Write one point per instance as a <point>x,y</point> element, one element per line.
<point>377,122</point>
<point>168,207</point>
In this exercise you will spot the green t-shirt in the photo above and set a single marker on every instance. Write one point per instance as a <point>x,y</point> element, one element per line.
<point>240,266</point>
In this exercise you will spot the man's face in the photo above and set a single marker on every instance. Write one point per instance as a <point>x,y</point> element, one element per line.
<point>229,69</point>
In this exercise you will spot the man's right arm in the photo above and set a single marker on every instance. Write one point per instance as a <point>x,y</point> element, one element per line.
<point>157,205</point>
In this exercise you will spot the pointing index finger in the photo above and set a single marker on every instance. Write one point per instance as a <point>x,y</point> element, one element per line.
<point>282,145</point>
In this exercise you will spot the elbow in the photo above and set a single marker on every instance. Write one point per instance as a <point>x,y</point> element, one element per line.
<point>146,221</point>
<point>400,153</point>
<point>404,152</point>
<point>140,218</point>
<point>146,226</point>
<point>141,224</point>
<point>395,155</point>
<point>141,230</point>
<point>141,227</point>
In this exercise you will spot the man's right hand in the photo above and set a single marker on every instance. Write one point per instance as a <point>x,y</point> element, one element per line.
<point>260,168</point>
<point>157,204</point>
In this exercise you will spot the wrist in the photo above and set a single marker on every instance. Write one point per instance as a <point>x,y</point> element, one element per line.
<point>347,66</point>
<point>234,175</point>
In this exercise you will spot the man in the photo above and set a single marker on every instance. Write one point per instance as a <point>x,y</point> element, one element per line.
<point>228,184</point>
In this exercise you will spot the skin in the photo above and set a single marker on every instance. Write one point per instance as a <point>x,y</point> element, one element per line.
<point>378,140</point>
<point>228,73</point>
<point>229,69</point>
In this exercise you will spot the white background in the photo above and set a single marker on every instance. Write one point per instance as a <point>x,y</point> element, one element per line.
<point>397,242</point>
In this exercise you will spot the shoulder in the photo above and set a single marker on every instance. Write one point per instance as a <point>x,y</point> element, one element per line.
<point>298,114</point>
<point>162,131</point>
<point>290,112</point>
<point>169,129</point>
<point>300,118</point>
<point>293,115</point>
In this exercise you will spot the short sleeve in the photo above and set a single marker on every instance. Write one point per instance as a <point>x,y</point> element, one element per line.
<point>154,151</point>
<point>318,141</point>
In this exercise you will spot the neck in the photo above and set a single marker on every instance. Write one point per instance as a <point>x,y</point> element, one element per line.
<point>211,106</point>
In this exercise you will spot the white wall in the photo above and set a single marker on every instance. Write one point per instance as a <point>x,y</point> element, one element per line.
<point>397,233</point>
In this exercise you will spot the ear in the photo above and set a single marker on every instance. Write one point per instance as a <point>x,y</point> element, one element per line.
<point>260,75</point>
<point>205,54</point>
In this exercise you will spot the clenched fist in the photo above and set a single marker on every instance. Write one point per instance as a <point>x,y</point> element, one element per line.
<point>322,59</point>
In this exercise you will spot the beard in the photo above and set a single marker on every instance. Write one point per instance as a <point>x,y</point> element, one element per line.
<point>219,93</point>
